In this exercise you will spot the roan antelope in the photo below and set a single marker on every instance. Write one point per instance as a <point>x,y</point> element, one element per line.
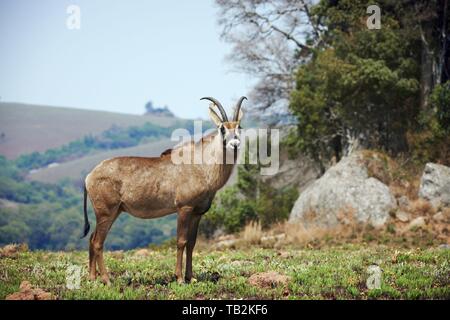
<point>154,187</point>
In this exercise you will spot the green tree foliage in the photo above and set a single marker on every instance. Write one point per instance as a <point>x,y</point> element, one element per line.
<point>440,106</point>
<point>229,212</point>
<point>49,216</point>
<point>274,205</point>
<point>52,226</point>
<point>431,142</point>
<point>15,188</point>
<point>361,84</point>
<point>113,138</point>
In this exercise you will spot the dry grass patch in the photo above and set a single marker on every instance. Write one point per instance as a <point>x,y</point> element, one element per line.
<point>11,250</point>
<point>270,279</point>
<point>379,165</point>
<point>252,233</point>
<point>421,207</point>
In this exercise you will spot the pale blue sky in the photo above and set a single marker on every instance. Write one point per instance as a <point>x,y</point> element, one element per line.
<point>125,53</point>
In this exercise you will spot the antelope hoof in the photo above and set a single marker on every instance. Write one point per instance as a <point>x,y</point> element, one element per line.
<point>180,280</point>
<point>190,280</point>
<point>106,281</point>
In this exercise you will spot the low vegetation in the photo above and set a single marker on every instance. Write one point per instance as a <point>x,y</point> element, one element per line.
<point>249,200</point>
<point>335,272</point>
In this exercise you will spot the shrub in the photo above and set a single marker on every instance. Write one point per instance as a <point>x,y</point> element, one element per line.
<point>231,210</point>
<point>431,143</point>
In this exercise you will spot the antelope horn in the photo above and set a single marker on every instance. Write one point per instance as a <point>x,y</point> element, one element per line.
<point>238,108</point>
<point>219,106</point>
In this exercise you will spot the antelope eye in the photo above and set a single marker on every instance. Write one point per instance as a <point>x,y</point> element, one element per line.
<point>222,130</point>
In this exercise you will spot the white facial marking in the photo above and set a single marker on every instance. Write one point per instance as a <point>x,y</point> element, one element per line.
<point>233,143</point>
<point>231,137</point>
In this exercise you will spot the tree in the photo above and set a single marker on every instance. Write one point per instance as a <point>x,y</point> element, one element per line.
<point>431,18</point>
<point>270,38</point>
<point>348,86</point>
<point>361,87</point>
<point>149,107</point>
<point>164,111</point>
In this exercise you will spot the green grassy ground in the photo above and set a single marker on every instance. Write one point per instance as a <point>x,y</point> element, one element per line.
<point>337,272</point>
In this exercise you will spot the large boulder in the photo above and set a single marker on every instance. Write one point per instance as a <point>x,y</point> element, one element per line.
<point>344,194</point>
<point>435,184</point>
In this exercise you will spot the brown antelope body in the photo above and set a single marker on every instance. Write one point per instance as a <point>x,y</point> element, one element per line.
<point>154,187</point>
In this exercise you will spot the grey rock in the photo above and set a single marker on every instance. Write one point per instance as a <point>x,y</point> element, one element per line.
<point>224,244</point>
<point>435,184</point>
<point>439,216</point>
<point>345,193</point>
<point>402,216</point>
<point>416,223</point>
<point>278,237</point>
<point>403,201</point>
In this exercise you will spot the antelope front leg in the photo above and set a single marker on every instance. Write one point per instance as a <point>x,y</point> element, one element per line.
<point>183,223</point>
<point>192,238</point>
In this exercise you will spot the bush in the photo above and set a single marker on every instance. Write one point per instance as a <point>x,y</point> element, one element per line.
<point>231,210</point>
<point>274,205</point>
<point>431,142</point>
<point>440,102</point>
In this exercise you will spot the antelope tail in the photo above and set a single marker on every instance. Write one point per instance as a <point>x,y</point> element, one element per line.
<point>86,219</point>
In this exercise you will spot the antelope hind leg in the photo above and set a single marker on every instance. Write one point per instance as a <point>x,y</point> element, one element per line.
<point>104,224</point>
<point>92,259</point>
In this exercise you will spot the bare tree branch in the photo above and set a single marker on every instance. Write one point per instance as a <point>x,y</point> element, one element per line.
<point>267,37</point>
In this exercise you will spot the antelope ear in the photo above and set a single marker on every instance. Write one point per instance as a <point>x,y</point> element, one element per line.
<point>214,117</point>
<point>240,115</point>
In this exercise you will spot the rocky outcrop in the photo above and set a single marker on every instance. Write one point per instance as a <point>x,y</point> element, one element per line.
<point>345,194</point>
<point>435,185</point>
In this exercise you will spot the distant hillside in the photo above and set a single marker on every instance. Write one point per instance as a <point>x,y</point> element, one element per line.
<point>25,128</point>
<point>76,168</point>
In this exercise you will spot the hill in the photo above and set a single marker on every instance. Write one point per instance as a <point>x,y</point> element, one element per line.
<point>338,272</point>
<point>25,128</point>
<point>77,168</point>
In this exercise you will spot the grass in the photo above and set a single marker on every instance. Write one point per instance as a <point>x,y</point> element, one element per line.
<point>335,272</point>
